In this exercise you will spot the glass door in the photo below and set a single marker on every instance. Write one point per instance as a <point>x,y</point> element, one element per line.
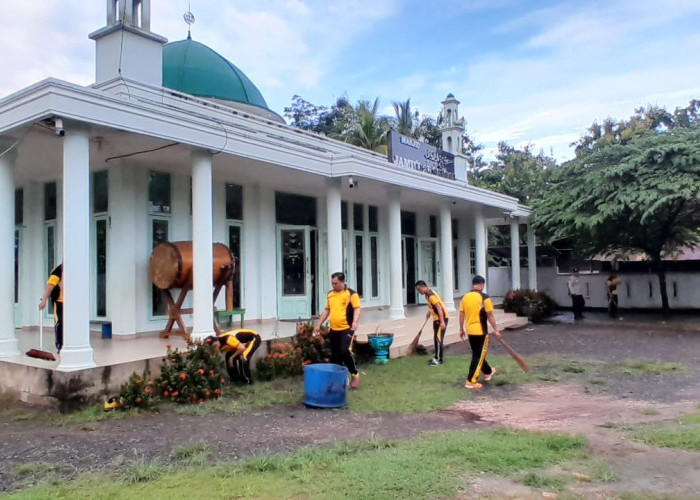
<point>18,253</point>
<point>294,290</point>
<point>427,263</point>
<point>99,253</point>
<point>408,251</point>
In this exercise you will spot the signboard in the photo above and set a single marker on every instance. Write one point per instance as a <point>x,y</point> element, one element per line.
<point>407,152</point>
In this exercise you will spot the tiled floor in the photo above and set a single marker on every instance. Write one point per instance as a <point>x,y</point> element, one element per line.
<point>148,345</point>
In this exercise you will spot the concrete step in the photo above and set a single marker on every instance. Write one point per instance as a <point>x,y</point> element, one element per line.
<point>405,330</point>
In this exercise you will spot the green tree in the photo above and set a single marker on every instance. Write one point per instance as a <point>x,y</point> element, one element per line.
<point>629,194</point>
<point>303,114</point>
<point>515,172</point>
<point>404,122</point>
<point>429,132</point>
<point>369,130</point>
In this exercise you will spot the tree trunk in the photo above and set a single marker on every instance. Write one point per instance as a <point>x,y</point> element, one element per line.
<point>660,269</point>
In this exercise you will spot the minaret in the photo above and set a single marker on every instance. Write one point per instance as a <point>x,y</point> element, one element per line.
<point>452,131</point>
<point>126,47</point>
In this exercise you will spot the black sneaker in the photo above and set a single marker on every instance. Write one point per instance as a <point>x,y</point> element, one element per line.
<point>434,362</point>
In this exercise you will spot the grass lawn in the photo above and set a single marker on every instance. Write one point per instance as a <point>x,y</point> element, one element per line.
<point>430,466</point>
<point>404,385</point>
<point>682,434</point>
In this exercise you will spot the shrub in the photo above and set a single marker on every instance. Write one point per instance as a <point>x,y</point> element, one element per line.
<point>138,391</point>
<point>191,376</point>
<point>288,359</point>
<point>535,305</point>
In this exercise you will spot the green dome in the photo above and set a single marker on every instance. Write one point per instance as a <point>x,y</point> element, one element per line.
<point>195,69</point>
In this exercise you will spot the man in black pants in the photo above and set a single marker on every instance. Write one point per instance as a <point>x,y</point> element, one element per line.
<point>343,307</point>
<point>577,300</point>
<point>238,347</point>
<point>436,308</point>
<point>54,289</point>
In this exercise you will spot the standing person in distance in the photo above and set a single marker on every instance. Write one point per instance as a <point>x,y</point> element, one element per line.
<point>611,285</point>
<point>54,289</point>
<point>577,302</point>
<point>343,308</point>
<point>436,308</point>
<point>475,310</point>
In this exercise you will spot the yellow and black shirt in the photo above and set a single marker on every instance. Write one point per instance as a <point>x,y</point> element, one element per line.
<point>341,306</point>
<point>475,305</point>
<point>230,340</point>
<point>55,280</point>
<point>435,302</point>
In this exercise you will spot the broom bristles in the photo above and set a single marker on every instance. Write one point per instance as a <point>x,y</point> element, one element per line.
<point>36,353</point>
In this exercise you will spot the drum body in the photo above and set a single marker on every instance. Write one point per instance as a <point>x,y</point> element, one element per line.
<point>171,265</point>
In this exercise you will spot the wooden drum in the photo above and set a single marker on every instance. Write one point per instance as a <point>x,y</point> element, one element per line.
<point>171,265</point>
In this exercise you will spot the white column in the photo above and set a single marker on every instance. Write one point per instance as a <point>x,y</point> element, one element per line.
<point>335,229</point>
<point>515,253</point>
<point>480,243</point>
<point>121,266</point>
<point>8,340</point>
<point>202,241</point>
<point>77,351</point>
<point>531,258</point>
<point>448,281</point>
<point>464,256</point>
<point>396,310</point>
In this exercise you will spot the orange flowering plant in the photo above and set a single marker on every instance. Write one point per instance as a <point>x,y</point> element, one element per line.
<point>138,391</point>
<point>191,376</point>
<point>288,359</point>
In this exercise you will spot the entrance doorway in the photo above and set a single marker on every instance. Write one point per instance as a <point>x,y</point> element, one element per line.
<point>427,263</point>
<point>296,257</point>
<point>408,253</point>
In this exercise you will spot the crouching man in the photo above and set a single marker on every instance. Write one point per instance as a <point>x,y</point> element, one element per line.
<point>238,347</point>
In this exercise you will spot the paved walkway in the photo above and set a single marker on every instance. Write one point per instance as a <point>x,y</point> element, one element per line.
<point>685,321</point>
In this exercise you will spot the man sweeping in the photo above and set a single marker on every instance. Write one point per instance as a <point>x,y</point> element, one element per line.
<point>436,309</point>
<point>475,310</point>
<point>54,289</point>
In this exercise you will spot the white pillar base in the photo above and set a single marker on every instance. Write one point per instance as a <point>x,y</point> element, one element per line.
<point>76,358</point>
<point>9,348</point>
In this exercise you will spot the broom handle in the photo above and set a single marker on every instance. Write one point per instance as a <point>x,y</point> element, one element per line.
<point>41,330</point>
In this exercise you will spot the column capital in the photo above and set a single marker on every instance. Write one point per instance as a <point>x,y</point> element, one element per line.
<point>333,182</point>
<point>200,154</point>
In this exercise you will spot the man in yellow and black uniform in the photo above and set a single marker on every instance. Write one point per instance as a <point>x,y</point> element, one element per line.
<point>611,286</point>
<point>475,310</point>
<point>54,289</point>
<point>436,309</point>
<point>343,307</point>
<point>238,347</point>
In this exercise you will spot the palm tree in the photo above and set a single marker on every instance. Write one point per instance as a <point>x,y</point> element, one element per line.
<point>404,118</point>
<point>369,130</point>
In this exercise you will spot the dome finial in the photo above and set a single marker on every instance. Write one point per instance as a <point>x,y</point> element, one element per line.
<point>189,19</point>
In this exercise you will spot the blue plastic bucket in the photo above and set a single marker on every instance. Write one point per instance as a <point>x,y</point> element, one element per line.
<point>325,385</point>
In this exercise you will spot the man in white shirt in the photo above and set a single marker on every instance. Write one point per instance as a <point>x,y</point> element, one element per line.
<point>577,302</point>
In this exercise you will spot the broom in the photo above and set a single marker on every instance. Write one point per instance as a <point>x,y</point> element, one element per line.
<point>40,353</point>
<point>414,343</point>
<point>518,359</point>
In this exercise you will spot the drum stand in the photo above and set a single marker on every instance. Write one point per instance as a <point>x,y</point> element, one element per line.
<point>175,312</point>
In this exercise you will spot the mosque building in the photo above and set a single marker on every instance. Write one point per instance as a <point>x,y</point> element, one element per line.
<point>174,143</point>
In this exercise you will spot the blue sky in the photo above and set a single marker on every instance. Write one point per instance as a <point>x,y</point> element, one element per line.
<point>525,71</point>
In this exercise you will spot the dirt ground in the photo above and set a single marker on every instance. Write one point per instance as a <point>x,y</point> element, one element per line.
<point>580,407</point>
